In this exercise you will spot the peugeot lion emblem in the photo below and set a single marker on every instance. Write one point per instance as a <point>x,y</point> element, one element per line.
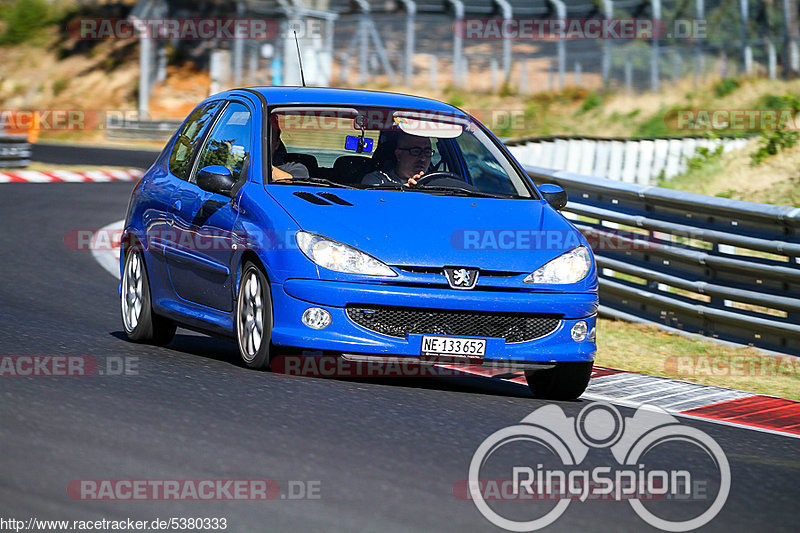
<point>461,278</point>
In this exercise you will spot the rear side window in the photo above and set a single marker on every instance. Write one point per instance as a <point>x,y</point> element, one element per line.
<point>188,137</point>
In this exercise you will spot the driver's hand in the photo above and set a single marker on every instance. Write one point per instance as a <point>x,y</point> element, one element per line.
<point>280,175</point>
<point>413,179</point>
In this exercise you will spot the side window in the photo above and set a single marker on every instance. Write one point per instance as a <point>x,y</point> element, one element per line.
<point>190,134</point>
<point>229,142</point>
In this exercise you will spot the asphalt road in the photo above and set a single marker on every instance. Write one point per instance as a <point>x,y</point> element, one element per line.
<point>386,453</point>
<point>65,154</point>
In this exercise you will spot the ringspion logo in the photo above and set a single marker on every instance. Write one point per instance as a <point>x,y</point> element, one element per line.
<point>548,457</point>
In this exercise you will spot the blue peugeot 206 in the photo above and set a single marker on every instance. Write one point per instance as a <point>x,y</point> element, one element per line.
<point>362,224</point>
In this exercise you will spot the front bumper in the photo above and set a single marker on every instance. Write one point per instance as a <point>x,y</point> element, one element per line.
<point>292,298</point>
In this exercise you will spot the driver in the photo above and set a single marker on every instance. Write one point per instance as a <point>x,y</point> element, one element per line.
<point>412,159</point>
<point>282,170</point>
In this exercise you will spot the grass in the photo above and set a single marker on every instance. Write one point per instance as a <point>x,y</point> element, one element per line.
<point>775,180</point>
<point>650,350</point>
<point>773,143</point>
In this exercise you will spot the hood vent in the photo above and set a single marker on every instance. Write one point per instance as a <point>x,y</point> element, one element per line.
<point>308,197</point>
<point>333,198</point>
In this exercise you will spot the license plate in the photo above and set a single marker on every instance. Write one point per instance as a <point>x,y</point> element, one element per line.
<point>465,347</point>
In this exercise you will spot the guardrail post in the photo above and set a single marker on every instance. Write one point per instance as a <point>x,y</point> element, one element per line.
<point>700,60</point>
<point>676,66</point>
<point>505,8</point>
<point>561,50</point>
<point>791,50</point>
<point>654,52</point>
<point>411,12</point>
<point>459,78</point>
<point>144,74</point>
<point>253,63</point>
<point>772,60</point>
<point>608,12</point>
<point>238,51</point>
<point>747,50</point>
<point>523,78</point>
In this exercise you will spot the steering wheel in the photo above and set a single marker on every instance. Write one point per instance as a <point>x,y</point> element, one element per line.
<point>440,174</point>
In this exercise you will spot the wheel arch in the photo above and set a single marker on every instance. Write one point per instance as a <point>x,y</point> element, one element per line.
<point>252,257</point>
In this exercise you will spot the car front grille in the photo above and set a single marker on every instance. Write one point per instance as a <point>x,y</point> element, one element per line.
<point>399,321</point>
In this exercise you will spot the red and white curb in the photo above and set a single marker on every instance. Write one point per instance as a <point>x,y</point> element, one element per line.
<point>682,398</point>
<point>713,404</point>
<point>59,176</point>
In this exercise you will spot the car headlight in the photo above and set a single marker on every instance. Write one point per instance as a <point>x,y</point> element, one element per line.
<point>570,267</point>
<point>340,257</point>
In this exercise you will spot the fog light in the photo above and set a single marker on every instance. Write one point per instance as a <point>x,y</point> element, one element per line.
<point>579,331</point>
<point>316,318</point>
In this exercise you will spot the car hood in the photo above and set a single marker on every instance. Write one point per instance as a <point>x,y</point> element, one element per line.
<point>418,229</point>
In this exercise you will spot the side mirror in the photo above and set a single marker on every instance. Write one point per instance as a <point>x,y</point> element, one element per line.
<point>215,178</point>
<point>554,195</point>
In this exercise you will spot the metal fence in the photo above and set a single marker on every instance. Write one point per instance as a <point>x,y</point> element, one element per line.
<point>421,43</point>
<point>15,151</point>
<point>722,268</point>
<point>695,38</point>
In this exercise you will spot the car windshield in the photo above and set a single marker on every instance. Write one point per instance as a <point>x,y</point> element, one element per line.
<point>380,148</point>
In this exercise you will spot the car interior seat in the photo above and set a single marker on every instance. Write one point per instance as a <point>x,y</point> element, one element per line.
<point>350,169</point>
<point>308,160</point>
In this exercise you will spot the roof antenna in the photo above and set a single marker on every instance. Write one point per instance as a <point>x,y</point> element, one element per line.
<point>299,58</point>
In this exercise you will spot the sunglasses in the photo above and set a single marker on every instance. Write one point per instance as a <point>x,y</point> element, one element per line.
<point>416,151</point>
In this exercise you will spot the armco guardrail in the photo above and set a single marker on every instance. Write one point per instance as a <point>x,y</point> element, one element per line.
<point>151,130</point>
<point>641,160</point>
<point>722,268</point>
<point>15,151</point>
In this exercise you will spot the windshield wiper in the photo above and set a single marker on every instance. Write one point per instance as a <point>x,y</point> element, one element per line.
<point>313,181</point>
<point>460,191</point>
<point>457,191</point>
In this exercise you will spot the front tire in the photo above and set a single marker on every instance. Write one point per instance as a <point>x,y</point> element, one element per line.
<point>565,381</point>
<point>139,321</point>
<point>254,318</point>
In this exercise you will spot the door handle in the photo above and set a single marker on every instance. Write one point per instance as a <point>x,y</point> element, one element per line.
<point>176,205</point>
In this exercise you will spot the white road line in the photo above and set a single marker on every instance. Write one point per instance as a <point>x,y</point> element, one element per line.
<point>108,259</point>
<point>656,391</point>
<point>702,396</point>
